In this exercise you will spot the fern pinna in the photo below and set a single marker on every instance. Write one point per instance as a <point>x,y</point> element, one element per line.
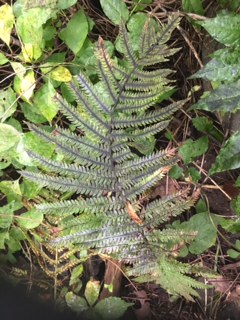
<point>100,166</point>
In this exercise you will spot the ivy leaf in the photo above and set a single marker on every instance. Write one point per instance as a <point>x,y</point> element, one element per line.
<point>61,74</point>
<point>92,292</point>
<point>115,10</point>
<point>229,156</point>
<point>74,40</point>
<point>225,28</point>
<point>24,85</point>
<point>8,103</point>
<point>111,308</point>
<point>6,23</point>
<point>76,303</point>
<point>43,100</point>
<point>225,98</point>
<point>30,219</point>
<point>9,137</point>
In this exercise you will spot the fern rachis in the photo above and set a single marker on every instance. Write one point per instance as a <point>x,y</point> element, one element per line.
<point>109,177</point>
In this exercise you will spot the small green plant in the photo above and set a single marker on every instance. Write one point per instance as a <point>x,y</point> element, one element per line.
<point>89,306</point>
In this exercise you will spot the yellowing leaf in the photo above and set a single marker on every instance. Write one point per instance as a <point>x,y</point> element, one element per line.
<point>25,85</point>
<point>29,27</point>
<point>6,22</point>
<point>27,52</point>
<point>92,291</point>
<point>18,68</point>
<point>61,74</point>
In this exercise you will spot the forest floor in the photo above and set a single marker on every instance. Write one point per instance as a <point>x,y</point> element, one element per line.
<point>151,302</point>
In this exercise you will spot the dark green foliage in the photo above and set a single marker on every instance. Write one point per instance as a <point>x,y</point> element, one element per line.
<point>108,176</point>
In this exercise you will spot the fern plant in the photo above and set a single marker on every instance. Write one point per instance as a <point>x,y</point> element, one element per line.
<point>109,178</point>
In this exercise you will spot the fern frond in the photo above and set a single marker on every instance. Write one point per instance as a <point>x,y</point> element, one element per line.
<point>100,166</point>
<point>66,184</point>
<point>151,117</point>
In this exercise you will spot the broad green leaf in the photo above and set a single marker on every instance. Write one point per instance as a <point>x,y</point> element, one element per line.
<point>229,155</point>
<point>76,274</point>
<point>56,58</point>
<point>8,103</point>
<point>233,253</point>
<point>3,59</point>
<point>29,189</point>
<point>144,145</point>
<point>194,173</point>
<point>30,219</point>
<point>6,216</point>
<point>135,26</point>
<point>4,164</point>
<point>6,22</point>
<point>225,98</point>
<point>9,186</point>
<point>64,4</point>
<point>13,245</point>
<point>61,74</point>
<point>111,308</point>
<point>20,154</point>
<point>4,235</point>
<point>9,137</point>
<point>225,28</point>
<point>32,113</point>
<point>141,4</point>
<point>92,291</point>
<point>15,236</point>
<point>43,100</point>
<point>76,303</point>
<point>175,172</point>
<point>76,32</point>
<point>49,33</point>
<point>115,10</point>
<point>206,231</point>
<point>14,123</point>
<point>33,143</point>
<point>205,125</point>
<point>67,93</point>
<point>219,71</point>
<point>192,149</point>
<point>193,6</point>
<point>25,85</point>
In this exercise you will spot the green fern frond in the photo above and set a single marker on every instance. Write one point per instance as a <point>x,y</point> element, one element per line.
<point>100,166</point>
